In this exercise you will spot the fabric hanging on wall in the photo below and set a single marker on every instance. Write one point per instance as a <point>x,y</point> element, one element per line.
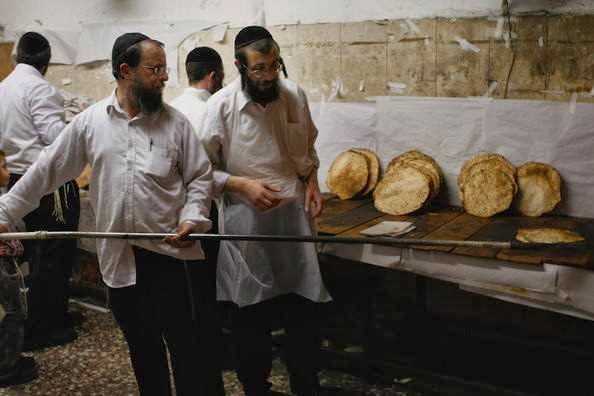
<point>64,44</point>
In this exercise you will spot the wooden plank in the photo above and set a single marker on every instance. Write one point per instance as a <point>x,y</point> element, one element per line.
<point>334,206</point>
<point>582,258</point>
<point>501,229</point>
<point>355,231</point>
<point>6,65</point>
<point>347,220</point>
<point>459,228</point>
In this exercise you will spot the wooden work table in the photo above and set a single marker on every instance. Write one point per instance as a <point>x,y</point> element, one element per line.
<point>348,218</point>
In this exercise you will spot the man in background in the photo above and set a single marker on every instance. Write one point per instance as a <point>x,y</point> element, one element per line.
<point>32,118</point>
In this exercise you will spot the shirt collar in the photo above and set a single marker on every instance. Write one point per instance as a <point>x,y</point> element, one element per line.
<point>114,105</point>
<point>198,93</point>
<point>28,69</point>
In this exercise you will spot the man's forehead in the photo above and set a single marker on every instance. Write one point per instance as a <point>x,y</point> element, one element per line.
<point>152,51</point>
<point>256,56</point>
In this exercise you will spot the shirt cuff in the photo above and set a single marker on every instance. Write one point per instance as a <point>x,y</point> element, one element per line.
<point>220,179</point>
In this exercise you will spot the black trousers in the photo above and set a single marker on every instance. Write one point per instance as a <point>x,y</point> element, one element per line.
<point>51,261</point>
<point>158,312</point>
<point>252,333</point>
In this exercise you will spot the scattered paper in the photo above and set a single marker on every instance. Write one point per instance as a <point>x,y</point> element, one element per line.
<point>465,45</point>
<point>572,103</point>
<point>218,32</point>
<point>490,90</point>
<point>389,228</point>
<point>362,85</point>
<point>66,81</point>
<point>412,27</point>
<point>396,87</point>
<point>338,90</point>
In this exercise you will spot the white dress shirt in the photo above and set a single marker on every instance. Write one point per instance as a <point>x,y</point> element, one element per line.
<point>31,116</point>
<point>150,174</point>
<point>192,104</point>
<point>274,143</point>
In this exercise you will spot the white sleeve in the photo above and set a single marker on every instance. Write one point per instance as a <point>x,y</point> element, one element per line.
<point>58,163</point>
<point>47,112</point>
<point>212,137</point>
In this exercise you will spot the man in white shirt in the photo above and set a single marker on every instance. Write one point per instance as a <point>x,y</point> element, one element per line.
<point>149,174</point>
<point>31,118</point>
<point>259,135</point>
<point>204,68</point>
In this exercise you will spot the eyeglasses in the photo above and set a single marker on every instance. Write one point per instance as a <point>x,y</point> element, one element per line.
<point>159,70</point>
<point>261,70</point>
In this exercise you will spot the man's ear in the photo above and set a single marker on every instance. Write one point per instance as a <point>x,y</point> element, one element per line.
<point>125,71</point>
<point>212,76</point>
<point>237,64</point>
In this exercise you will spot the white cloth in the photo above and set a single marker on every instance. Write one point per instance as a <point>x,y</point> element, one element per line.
<point>192,104</point>
<point>274,144</point>
<point>150,174</point>
<point>31,116</point>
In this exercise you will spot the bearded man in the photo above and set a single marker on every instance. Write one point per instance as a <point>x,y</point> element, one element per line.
<point>149,174</point>
<point>259,135</point>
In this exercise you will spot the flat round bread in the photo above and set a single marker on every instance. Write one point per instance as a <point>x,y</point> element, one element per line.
<point>539,189</point>
<point>487,192</point>
<point>487,160</point>
<point>348,174</point>
<point>374,167</point>
<point>423,160</point>
<point>402,190</point>
<point>548,235</point>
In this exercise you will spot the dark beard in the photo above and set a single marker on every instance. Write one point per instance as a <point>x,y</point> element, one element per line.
<point>257,94</point>
<point>149,101</point>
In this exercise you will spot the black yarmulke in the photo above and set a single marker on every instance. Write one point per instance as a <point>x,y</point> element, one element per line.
<point>124,42</point>
<point>32,43</point>
<point>204,55</point>
<point>251,34</point>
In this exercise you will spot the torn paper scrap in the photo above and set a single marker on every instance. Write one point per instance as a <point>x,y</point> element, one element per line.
<point>66,81</point>
<point>412,27</point>
<point>490,90</point>
<point>572,103</point>
<point>338,90</point>
<point>362,85</point>
<point>396,87</point>
<point>498,28</point>
<point>465,45</point>
<point>389,228</point>
<point>218,32</point>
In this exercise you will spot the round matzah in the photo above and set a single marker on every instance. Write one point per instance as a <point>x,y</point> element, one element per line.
<point>493,158</point>
<point>487,192</point>
<point>374,166</point>
<point>486,161</point>
<point>548,235</point>
<point>402,190</point>
<point>348,174</point>
<point>423,160</point>
<point>539,189</point>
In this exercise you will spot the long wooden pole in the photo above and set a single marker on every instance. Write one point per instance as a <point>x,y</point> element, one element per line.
<point>278,238</point>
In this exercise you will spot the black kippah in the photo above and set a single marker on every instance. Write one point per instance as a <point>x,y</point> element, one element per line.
<point>124,42</point>
<point>32,43</point>
<point>205,55</point>
<point>251,34</point>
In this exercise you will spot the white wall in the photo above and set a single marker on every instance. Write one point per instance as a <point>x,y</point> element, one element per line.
<point>19,15</point>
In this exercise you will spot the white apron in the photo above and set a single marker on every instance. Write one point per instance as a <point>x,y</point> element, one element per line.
<point>251,272</point>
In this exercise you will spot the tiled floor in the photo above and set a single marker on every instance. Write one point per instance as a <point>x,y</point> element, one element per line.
<point>97,364</point>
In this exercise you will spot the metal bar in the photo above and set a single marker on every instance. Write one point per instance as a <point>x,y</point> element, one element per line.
<point>389,241</point>
<point>260,238</point>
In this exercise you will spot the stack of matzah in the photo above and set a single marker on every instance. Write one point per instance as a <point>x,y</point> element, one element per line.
<point>411,181</point>
<point>539,189</point>
<point>353,173</point>
<point>487,184</point>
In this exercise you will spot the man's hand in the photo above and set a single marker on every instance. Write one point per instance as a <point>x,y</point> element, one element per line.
<point>313,197</point>
<point>177,240</point>
<point>262,195</point>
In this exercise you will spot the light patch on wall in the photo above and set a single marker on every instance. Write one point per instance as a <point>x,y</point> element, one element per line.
<point>396,87</point>
<point>66,81</point>
<point>465,45</point>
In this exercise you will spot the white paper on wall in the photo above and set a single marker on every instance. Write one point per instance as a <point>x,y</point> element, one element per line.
<point>62,42</point>
<point>452,130</point>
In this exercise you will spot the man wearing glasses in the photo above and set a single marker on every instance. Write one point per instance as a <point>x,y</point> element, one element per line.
<point>259,135</point>
<point>149,174</point>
